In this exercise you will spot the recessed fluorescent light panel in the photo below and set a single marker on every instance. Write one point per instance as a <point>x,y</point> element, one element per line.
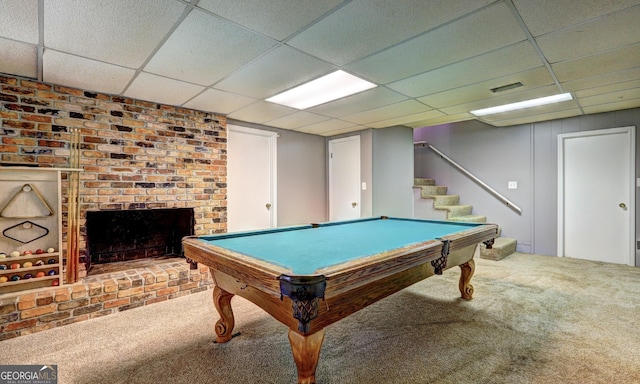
<point>331,87</point>
<point>524,104</point>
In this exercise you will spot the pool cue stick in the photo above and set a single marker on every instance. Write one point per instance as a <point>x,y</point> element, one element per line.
<point>76,205</point>
<point>76,256</point>
<point>72,247</point>
<point>70,214</point>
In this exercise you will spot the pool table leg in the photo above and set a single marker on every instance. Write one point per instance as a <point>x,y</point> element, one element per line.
<point>224,326</point>
<point>467,269</point>
<point>306,351</point>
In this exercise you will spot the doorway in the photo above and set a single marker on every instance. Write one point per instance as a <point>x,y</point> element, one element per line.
<point>596,195</point>
<point>344,178</point>
<point>251,179</point>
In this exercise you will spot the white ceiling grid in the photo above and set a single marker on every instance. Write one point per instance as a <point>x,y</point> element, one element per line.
<point>433,60</point>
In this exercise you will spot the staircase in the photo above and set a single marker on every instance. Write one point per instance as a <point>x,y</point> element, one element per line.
<point>431,201</point>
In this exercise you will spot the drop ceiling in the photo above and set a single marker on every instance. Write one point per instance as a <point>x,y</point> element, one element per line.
<point>433,61</point>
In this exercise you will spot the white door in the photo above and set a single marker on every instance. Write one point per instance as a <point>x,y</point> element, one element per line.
<point>251,179</point>
<point>596,195</point>
<point>344,178</point>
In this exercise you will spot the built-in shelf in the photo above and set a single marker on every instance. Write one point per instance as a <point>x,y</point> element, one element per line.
<point>15,229</point>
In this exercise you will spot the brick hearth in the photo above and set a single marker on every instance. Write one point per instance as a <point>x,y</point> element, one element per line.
<point>99,295</point>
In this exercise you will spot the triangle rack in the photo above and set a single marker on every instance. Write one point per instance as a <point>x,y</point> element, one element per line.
<point>25,204</point>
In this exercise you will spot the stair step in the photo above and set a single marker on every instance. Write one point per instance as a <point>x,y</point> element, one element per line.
<point>470,219</point>
<point>502,247</point>
<point>432,190</point>
<point>444,200</point>
<point>422,181</point>
<point>456,210</point>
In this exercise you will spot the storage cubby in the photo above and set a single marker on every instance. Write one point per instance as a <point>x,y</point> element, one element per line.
<point>30,228</point>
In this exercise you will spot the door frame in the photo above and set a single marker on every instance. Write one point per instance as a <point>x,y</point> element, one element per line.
<point>630,130</point>
<point>273,166</point>
<point>331,198</point>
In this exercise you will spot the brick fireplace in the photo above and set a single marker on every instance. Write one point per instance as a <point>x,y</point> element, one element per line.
<point>120,236</point>
<point>136,156</point>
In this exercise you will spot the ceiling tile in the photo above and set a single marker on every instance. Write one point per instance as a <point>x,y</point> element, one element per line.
<point>509,60</point>
<point>275,18</point>
<point>616,106</point>
<point>444,119</point>
<point>297,120</point>
<point>365,27</point>
<point>150,87</point>
<point>604,98</point>
<point>204,49</point>
<point>274,72</point>
<point>78,72</point>
<point>605,33</point>
<point>261,112</point>
<point>602,80</point>
<point>325,127</point>
<point>19,20</point>
<point>609,89</point>
<point>406,119</point>
<point>484,31</point>
<point>542,16</point>
<point>119,32</point>
<point>387,112</point>
<point>214,100</point>
<point>530,79</point>
<point>372,98</point>
<point>609,61</point>
<point>18,58</point>
<point>342,131</point>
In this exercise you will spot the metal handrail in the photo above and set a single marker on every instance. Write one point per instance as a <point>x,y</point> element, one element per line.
<point>471,176</point>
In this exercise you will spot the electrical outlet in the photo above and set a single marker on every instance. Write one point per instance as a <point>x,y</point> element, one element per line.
<point>512,185</point>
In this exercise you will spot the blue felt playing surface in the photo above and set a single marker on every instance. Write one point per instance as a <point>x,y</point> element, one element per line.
<point>304,249</point>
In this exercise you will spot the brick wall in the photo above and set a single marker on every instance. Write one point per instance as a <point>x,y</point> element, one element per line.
<point>135,155</point>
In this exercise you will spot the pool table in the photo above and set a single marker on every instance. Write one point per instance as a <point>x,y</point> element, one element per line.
<point>310,276</point>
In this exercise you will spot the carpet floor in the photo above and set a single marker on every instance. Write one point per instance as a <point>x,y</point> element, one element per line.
<point>533,319</point>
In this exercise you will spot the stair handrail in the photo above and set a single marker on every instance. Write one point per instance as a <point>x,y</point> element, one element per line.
<point>484,185</point>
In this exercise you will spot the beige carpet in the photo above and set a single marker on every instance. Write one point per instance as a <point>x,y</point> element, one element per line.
<point>534,319</point>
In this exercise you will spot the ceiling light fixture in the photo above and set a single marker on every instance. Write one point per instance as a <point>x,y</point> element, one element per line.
<point>327,88</point>
<point>523,104</point>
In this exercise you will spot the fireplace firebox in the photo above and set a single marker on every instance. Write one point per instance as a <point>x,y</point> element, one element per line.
<point>126,235</point>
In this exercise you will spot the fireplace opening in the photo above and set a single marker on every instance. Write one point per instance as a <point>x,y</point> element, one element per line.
<point>134,235</point>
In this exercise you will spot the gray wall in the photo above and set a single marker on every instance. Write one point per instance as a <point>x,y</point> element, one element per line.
<point>526,154</point>
<point>301,176</point>
<point>386,166</point>
<point>393,172</point>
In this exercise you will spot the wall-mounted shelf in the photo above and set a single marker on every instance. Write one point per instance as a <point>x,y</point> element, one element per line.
<point>33,196</point>
<point>34,271</point>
